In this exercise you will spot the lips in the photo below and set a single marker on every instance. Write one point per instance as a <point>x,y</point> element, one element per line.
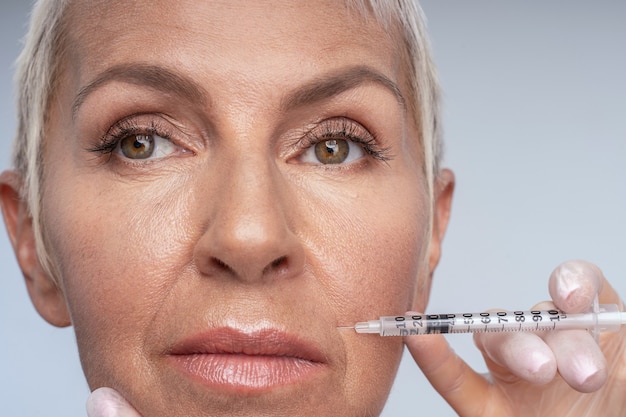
<point>231,360</point>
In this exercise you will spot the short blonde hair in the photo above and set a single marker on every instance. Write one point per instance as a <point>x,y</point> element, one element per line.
<point>39,67</point>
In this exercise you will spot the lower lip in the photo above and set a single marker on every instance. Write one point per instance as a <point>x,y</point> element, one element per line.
<point>241,373</point>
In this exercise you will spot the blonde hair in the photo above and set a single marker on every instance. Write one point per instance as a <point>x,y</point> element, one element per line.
<point>37,69</point>
<point>39,66</point>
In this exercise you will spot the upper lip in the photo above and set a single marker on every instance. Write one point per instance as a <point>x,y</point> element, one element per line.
<point>265,342</point>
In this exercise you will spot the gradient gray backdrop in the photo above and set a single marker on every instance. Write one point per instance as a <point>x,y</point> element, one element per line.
<point>535,120</point>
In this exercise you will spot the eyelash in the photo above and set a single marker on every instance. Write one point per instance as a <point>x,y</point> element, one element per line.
<point>343,128</point>
<point>337,128</point>
<point>125,128</point>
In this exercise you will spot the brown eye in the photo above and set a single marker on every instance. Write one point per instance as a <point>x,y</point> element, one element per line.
<point>332,151</point>
<point>137,146</point>
<point>336,141</point>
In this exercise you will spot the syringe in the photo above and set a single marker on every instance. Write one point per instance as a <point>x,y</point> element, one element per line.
<point>606,318</point>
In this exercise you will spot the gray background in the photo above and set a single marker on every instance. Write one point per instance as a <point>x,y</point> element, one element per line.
<point>535,114</point>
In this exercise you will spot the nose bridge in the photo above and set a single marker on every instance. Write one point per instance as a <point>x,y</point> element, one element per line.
<point>250,205</point>
<point>249,235</point>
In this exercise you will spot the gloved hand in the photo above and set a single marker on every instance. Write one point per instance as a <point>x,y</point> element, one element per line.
<point>106,402</point>
<point>537,374</point>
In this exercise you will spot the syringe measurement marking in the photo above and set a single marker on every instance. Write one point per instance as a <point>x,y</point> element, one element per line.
<point>499,321</point>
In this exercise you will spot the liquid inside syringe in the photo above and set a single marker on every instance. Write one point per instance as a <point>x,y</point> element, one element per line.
<point>606,318</point>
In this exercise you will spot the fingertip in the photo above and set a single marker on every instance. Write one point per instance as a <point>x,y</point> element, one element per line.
<point>592,381</point>
<point>522,355</point>
<point>100,402</point>
<point>574,285</point>
<point>580,360</point>
<point>107,402</point>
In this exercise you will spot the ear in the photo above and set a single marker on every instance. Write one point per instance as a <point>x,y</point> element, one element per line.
<point>444,189</point>
<point>45,294</point>
<point>442,204</point>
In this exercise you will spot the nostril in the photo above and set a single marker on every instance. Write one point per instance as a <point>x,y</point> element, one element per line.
<point>278,262</point>
<point>277,265</point>
<point>219,265</point>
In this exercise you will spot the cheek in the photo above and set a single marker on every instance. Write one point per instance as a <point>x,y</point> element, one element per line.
<point>116,258</point>
<point>369,250</point>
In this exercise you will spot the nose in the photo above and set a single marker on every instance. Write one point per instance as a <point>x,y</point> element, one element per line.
<point>249,235</point>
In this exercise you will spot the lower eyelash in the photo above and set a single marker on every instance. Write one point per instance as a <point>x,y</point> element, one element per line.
<point>105,147</point>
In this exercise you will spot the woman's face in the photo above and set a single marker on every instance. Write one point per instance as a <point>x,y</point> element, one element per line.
<point>226,183</point>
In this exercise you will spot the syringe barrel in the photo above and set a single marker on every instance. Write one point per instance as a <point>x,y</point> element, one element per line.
<point>608,318</point>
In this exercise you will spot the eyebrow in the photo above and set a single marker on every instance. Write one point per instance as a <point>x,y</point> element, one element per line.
<point>146,75</point>
<point>338,82</point>
<point>165,80</point>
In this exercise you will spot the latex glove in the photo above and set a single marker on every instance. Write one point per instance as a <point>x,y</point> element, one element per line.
<point>537,374</point>
<point>106,402</point>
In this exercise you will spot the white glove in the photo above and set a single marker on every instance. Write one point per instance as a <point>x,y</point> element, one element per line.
<point>106,402</point>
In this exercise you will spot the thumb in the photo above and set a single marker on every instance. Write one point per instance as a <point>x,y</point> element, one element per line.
<point>464,389</point>
<point>106,402</point>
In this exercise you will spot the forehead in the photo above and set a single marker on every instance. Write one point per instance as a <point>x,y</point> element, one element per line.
<point>259,40</point>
